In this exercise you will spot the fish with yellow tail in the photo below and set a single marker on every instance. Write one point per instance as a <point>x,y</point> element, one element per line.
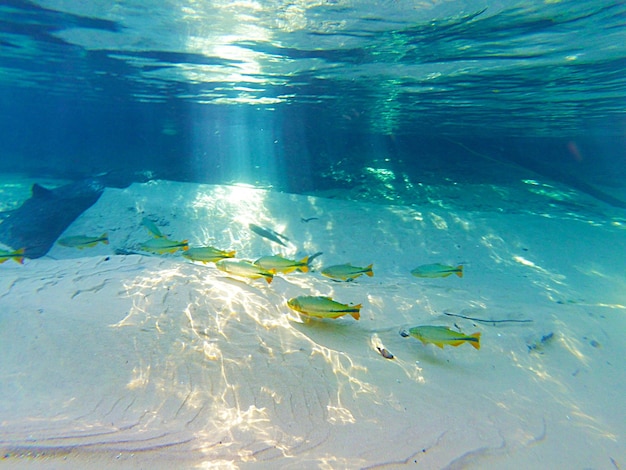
<point>283,265</point>
<point>437,270</point>
<point>17,256</point>
<point>83,241</point>
<point>347,272</point>
<point>164,245</point>
<point>242,268</point>
<point>441,335</point>
<point>323,307</point>
<point>207,254</point>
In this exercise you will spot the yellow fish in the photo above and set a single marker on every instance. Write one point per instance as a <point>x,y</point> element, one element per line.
<point>207,254</point>
<point>82,241</point>
<point>437,270</point>
<point>152,228</point>
<point>17,256</point>
<point>323,307</point>
<point>164,245</point>
<point>243,268</point>
<point>347,272</point>
<point>283,265</point>
<point>440,335</point>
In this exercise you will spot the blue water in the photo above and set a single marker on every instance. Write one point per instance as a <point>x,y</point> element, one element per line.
<point>300,96</point>
<point>491,133</point>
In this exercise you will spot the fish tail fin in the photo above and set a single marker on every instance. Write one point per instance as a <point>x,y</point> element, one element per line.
<point>105,238</point>
<point>459,270</point>
<point>231,254</point>
<point>185,244</point>
<point>475,341</point>
<point>356,313</point>
<point>20,259</point>
<point>304,262</point>
<point>369,271</point>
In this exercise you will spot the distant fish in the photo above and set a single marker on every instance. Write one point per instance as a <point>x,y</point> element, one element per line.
<point>440,335</point>
<point>269,234</point>
<point>347,272</point>
<point>164,245</point>
<point>17,256</point>
<point>82,241</point>
<point>323,307</point>
<point>283,265</point>
<point>437,270</point>
<point>152,228</point>
<point>207,254</point>
<point>243,268</point>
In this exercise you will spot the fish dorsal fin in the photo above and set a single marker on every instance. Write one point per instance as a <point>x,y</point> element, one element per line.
<point>40,191</point>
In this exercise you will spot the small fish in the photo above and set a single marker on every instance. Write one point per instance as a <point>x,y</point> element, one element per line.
<point>244,268</point>
<point>346,272</point>
<point>152,228</point>
<point>323,307</point>
<point>207,254</point>
<point>283,265</point>
<point>164,245</point>
<point>17,256</point>
<point>437,270</point>
<point>268,233</point>
<point>440,335</point>
<point>308,219</point>
<point>82,241</point>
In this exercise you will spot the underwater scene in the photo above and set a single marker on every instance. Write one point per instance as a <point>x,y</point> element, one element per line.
<point>325,234</point>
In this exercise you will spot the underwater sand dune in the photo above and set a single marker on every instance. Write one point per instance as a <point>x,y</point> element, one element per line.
<point>126,360</point>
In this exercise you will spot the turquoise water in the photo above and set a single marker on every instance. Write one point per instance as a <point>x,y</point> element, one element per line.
<point>490,134</point>
<point>284,94</point>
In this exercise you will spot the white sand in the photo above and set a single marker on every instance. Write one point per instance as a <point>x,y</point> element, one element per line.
<point>131,361</point>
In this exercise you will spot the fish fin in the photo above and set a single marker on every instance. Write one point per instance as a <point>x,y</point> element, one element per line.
<point>369,270</point>
<point>305,265</point>
<point>20,259</point>
<point>269,278</point>
<point>356,314</point>
<point>439,345</point>
<point>476,343</point>
<point>3,260</point>
<point>459,270</point>
<point>185,244</point>
<point>231,254</point>
<point>105,238</point>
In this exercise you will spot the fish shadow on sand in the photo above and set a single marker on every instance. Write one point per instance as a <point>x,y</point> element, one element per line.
<point>42,218</point>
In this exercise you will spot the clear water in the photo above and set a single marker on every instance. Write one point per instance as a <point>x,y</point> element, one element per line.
<point>489,133</point>
<point>305,95</point>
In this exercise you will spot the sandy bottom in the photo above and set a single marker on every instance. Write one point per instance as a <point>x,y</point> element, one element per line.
<point>139,361</point>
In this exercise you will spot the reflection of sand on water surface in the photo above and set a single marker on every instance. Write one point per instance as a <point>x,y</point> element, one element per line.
<point>141,359</point>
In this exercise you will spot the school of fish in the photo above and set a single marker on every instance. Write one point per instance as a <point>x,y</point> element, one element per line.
<point>266,267</point>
